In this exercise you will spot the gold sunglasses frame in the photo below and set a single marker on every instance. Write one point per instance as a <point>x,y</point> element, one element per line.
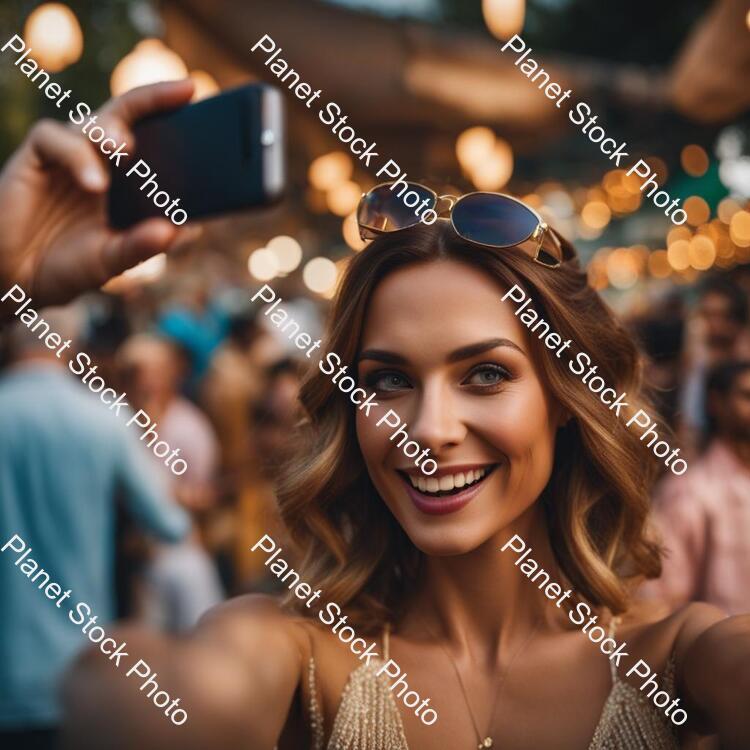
<point>541,233</point>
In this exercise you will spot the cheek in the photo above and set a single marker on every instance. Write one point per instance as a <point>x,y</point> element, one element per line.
<point>518,423</point>
<point>373,440</point>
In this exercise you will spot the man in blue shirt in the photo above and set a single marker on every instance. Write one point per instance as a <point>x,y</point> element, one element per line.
<point>64,460</point>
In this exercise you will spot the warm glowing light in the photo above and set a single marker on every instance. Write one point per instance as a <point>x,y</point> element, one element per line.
<point>533,200</point>
<point>739,229</point>
<point>727,208</point>
<point>596,214</point>
<point>702,252</point>
<point>148,271</point>
<point>678,233</point>
<point>622,269</point>
<point>330,170</point>
<point>343,198</point>
<point>288,252</point>
<point>350,230</point>
<point>150,61</point>
<point>678,255</point>
<point>263,264</point>
<point>694,160</point>
<point>747,19</point>
<point>697,210</point>
<point>658,264</point>
<point>504,17</point>
<point>473,146</point>
<point>54,34</point>
<point>497,168</point>
<point>205,85</point>
<point>320,275</point>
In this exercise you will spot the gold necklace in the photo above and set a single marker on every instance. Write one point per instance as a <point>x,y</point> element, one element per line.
<point>487,741</point>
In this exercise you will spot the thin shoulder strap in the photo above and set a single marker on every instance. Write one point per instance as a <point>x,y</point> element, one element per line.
<point>613,623</point>
<point>387,641</point>
<point>315,714</point>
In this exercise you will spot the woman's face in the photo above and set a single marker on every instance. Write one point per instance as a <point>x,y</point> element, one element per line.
<point>444,352</point>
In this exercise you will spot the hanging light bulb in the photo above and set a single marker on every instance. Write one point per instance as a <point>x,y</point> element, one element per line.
<point>54,34</point>
<point>504,18</point>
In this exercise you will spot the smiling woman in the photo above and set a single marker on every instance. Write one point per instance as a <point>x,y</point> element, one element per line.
<point>525,452</point>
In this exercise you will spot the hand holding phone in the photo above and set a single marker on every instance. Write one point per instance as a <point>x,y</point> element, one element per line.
<point>216,156</point>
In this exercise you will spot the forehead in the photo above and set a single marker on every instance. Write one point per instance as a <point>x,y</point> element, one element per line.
<point>443,305</point>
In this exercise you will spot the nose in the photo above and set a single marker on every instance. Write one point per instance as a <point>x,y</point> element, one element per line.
<point>437,424</point>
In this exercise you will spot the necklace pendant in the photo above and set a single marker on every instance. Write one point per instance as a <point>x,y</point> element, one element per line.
<point>486,742</point>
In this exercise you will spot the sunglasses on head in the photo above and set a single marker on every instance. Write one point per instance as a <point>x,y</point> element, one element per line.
<point>489,219</point>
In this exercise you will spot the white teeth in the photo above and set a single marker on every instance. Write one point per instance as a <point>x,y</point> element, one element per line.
<point>446,483</point>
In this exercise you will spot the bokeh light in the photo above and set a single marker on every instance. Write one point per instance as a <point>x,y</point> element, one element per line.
<point>702,252</point>
<point>504,17</point>
<point>288,252</point>
<point>53,32</point>
<point>473,146</point>
<point>149,270</point>
<point>320,275</point>
<point>350,231</point>
<point>658,264</point>
<point>739,229</point>
<point>329,170</point>
<point>205,85</point>
<point>727,208</point>
<point>694,160</point>
<point>678,255</point>
<point>263,264</point>
<point>596,214</point>
<point>151,61</point>
<point>697,210</point>
<point>343,198</point>
<point>496,169</point>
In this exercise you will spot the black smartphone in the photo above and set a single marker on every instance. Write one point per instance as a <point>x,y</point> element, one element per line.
<point>219,155</point>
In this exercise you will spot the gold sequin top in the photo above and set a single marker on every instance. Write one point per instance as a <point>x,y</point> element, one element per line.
<point>368,717</point>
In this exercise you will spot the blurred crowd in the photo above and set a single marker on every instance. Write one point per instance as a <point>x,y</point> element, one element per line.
<point>223,388</point>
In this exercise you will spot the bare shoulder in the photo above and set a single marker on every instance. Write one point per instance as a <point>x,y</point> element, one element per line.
<point>255,621</point>
<point>660,633</point>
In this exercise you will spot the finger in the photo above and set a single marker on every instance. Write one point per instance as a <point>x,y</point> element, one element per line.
<point>143,241</point>
<point>55,145</point>
<point>146,100</point>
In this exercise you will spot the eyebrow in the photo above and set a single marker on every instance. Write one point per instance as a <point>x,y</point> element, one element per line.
<point>465,352</point>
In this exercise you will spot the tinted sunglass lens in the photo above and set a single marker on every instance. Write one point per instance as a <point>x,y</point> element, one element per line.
<point>493,220</point>
<point>386,210</point>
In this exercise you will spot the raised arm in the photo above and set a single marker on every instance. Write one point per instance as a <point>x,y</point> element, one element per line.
<point>235,676</point>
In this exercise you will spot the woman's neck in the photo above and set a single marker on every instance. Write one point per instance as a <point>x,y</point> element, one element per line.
<point>483,598</point>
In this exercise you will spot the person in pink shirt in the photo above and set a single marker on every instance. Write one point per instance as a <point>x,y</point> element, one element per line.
<point>703,516</point>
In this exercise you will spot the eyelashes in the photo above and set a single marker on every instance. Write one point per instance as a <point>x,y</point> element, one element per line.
<point>487,377</point>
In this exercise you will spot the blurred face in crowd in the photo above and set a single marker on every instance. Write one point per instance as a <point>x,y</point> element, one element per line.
<point>441,349</point>
<point>733,411</point>
<point>722,327</point>
<point>152,367</point>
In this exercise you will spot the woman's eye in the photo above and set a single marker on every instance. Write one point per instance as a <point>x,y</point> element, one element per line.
<point>487,375</point>
<point>386,381</point>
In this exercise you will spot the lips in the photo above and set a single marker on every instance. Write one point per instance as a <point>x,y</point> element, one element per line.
<point>451,490</point>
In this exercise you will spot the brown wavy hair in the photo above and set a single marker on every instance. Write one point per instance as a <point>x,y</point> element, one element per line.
<point>597,498</point>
